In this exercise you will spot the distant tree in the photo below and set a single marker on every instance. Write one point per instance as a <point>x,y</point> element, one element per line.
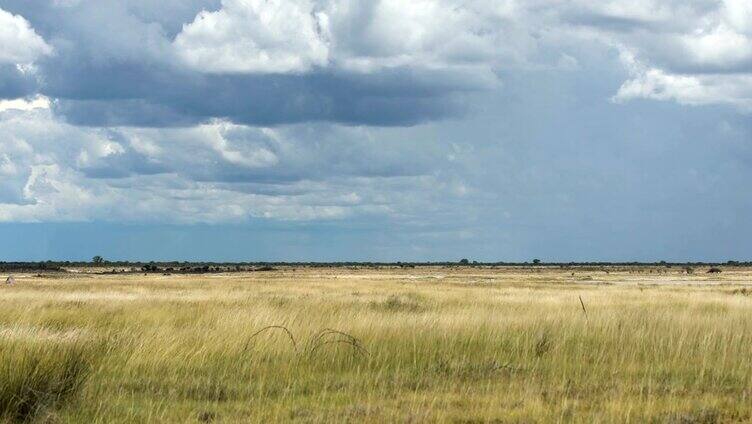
<point>150,267</point>
<point>97,260</point>
<point>464,261</point>
<point>536,261</point>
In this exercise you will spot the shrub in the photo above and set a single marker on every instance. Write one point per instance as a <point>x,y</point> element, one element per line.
<point>395,303</point>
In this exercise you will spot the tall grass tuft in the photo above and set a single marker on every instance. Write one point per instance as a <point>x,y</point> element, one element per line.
<point>40,375</point>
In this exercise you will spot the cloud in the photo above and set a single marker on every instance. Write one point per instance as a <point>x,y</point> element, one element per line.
<point>691,89</point>
<point>19,43</point>
<point>20,47</point>
<point>17,81</point>
<point>368,36</point>
<point>240,61</point>
<point>214,172</point>
<point>38,102</point>
<point>255,36</point>
<point>396,97</point>
<point>696,52</point>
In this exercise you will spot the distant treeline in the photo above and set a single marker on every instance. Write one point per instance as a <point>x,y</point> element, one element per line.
<point>203,267</point>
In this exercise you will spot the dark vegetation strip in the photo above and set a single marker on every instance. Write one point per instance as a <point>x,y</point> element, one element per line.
<point>110,267</point>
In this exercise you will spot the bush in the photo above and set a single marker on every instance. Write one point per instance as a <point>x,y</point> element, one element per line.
<point>396,303</point>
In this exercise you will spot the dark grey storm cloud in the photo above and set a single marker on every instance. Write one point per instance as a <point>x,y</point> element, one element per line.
<point>148,97</point>
<point>14,83</point>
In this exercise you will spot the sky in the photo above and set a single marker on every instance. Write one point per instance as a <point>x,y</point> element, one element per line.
<point>338,130</point>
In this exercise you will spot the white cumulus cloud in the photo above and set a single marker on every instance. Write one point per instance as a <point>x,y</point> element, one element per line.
<point>256,36</point>
<point>695,52</point>
<point>19,43</point>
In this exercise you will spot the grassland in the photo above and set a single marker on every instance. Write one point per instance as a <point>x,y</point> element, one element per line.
<point>416,345</point>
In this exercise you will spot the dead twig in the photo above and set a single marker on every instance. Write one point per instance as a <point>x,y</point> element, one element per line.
<point>271,327</point>
<point>583,308</point>
<point>320,340</point>
<point>326,332</point>
<point>358,348</point>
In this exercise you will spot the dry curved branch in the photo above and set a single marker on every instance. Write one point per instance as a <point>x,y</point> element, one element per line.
<point>328,331</point>
<point>272,327</point>
<point>360,349</point>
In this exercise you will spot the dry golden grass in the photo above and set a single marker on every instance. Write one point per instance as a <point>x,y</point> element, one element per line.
<point>420,345</point>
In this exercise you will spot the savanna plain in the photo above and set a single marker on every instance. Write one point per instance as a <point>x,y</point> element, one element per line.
<point>425,344</point>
